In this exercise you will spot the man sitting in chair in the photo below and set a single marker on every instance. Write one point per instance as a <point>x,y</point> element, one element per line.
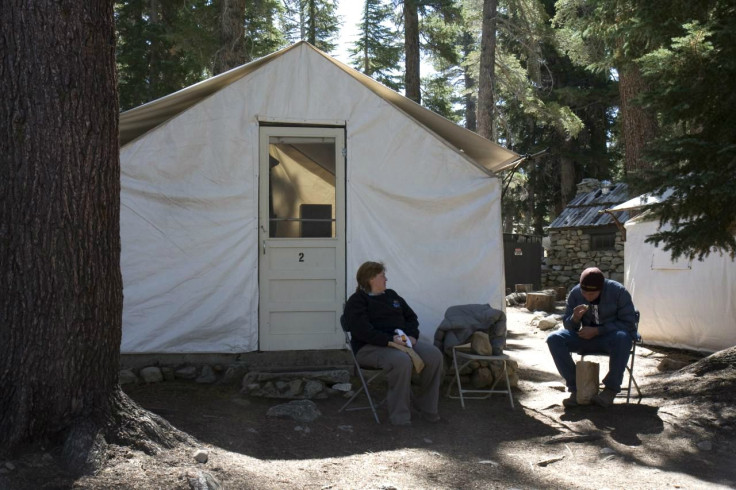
<point>599,317</point>
<point>373,314</point>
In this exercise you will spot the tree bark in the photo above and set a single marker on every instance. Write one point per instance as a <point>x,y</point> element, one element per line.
<point>232,36</point>
<point>470,100</point>
<point>567,174</point>
<point>60,282</point>
<point>312,36</point>
<point>639,126</point>
<point>411,46</point>
<point>486,78</point>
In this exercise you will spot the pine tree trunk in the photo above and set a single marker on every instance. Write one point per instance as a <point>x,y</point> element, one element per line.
<point>232,36</point>
<point>411,46</point>
<point>639,126</point>
<point>486,78</point>
<point>60,282</point>
<point>312,37</point>
<point>470,100</point>
<point>567,174</point>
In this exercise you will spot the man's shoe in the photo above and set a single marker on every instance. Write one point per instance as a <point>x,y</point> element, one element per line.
<point>431,417</point>
<point>571,401</point>
<point>604,398</point>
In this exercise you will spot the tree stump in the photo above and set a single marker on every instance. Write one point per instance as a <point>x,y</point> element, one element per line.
<point>561,293</point>
<point>524,288</point>
<point>540,301</point>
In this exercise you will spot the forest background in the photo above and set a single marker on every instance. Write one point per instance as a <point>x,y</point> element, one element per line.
<point>617,90</point>
<point>612,89</point>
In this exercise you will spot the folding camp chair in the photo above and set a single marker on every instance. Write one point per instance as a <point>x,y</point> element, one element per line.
<point>363,381</point>
<point>630,365</point>
<point>466,356</point>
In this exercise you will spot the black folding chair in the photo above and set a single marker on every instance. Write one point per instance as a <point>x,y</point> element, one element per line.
<point>630,366</point>
<point>363,381</point>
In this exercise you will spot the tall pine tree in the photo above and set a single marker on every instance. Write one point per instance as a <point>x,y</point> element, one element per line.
<point>377,51</point>
<point>690,80</point>
<point>314,21</point>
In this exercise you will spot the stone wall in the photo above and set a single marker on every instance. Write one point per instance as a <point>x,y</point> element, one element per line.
<point>569,254</point>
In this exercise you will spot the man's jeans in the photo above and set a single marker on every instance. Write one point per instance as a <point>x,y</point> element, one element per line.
<point>616,344</point>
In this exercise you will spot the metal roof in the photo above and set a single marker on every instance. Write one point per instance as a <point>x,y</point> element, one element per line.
<point>584,209</point>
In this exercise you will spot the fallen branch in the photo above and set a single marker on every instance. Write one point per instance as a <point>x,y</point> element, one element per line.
<point>550,460</point>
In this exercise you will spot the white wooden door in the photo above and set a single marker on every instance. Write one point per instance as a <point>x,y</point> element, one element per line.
<point>302,232</point>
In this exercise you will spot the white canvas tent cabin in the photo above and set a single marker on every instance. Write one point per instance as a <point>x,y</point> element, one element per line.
<point>685,304</point>
<point>249,200</point>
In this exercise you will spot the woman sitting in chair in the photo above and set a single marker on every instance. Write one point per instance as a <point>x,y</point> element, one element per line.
<point>373,314</point>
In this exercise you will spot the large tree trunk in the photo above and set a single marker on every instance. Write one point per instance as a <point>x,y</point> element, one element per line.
<point>486,79</point>
<point>470,100</point>
<point>232,36</point>
<point>312,35</point>
<point>567,176</point>
<point>639,126</point>
<point>411,46</point>
<point>60,283</point>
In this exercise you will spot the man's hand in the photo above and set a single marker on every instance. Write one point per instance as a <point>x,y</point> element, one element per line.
<point>588,333</point>
<point>578,312</point>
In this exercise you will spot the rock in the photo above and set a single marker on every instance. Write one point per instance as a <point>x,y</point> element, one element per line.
<point>480,343</point>
<point>152,374</point>
<point>329,377</point>
<point>234,373</point>
<point>295,388</point>
<point>201,456</point>
<point>313,388</point>
<point>668,364</point>
<point>188,372</point>
<point>481,378</point>
<point>298,410</point>
<point>705,445</point>
<point>207,376</point>
<point>548,322</point>
<point>127,376</point>
<point>9,465</point>
<point>342,387</point>
<point>202,480</point>
<point>168,373</point>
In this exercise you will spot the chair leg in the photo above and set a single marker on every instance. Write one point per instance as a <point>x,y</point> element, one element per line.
<point>457,378</point>
<point>363,387</point>
<point>508,384</point>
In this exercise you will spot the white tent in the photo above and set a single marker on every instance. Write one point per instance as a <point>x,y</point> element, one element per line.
<point>684,304</point>
<point>250,199</point>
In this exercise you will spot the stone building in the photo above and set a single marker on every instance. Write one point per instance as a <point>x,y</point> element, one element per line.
<point>582,236</point>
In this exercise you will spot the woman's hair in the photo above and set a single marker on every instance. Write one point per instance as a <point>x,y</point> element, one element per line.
<point>366,272</point>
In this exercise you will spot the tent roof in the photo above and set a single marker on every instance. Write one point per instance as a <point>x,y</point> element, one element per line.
<point>136,122</point>
<point>641,201</point>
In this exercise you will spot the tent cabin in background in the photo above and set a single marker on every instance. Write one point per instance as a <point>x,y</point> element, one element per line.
<point>686,304</point>
<point>249,200</point>
<point>581,236</point>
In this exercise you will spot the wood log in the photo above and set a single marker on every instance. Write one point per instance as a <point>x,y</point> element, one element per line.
<point>524,288</point>
<point>540,301</point>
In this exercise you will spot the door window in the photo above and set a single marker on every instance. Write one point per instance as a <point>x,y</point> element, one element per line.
<point>301,198</point>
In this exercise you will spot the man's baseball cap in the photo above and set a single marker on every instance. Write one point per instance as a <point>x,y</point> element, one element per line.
<point>592,279</point>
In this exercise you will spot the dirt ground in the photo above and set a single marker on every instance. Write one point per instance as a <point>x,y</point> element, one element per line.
<point>681,435</point>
